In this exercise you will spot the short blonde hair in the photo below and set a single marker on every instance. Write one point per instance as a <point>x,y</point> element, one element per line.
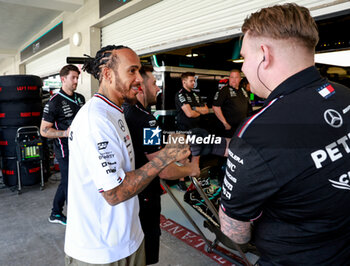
<point>283,22</point>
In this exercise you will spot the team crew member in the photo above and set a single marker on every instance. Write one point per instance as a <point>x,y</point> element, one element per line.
<point>103,224</point>
<point>189,107</point>
<point>231,104</point>
<point>57,116</point>
<point>289,165</point>
<point>139,119</point>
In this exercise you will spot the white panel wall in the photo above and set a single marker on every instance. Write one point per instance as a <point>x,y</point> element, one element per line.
<point>173,23</point>
<point>7,66</point>
<point>48,64</point>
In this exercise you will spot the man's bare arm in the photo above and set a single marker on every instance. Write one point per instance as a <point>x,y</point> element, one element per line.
<point>189,112</point>
<point>203,110</point>
<point>218,112</point>
<point>174,171</point>
<point>237,231</point>
<point>135,181</point>
<point>47,131</point>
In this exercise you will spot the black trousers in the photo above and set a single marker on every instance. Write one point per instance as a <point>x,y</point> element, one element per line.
<point>62,190</point>
<point>150,219</point>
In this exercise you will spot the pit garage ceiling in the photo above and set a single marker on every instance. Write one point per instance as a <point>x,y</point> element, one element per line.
<point>21,19</point>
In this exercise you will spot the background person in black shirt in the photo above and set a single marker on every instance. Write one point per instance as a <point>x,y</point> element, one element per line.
<point>189,107</point>
<point>231,104</point>
<point>138,118</point>
<point>288,167</point>
<point>58,114</point>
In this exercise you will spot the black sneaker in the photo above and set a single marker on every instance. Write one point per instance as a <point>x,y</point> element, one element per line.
<point>182,185</point>
<point>58,219</point>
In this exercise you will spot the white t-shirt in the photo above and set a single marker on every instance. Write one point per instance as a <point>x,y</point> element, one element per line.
<point>100,152</point>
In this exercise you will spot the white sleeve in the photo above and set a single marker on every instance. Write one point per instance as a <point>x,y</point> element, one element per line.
<point>106,160</point>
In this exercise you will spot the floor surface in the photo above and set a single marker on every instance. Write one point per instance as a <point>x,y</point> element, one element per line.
<point>28,239</point>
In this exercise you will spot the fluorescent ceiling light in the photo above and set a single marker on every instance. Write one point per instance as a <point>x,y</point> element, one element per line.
<point>240,60</point>
<point>338,58</point>
<point>192,55</point>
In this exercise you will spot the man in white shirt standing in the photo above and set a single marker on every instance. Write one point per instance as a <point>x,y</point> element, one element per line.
<point>103,224</point>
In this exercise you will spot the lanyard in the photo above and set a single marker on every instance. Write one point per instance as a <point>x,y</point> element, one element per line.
<point>69,99</point>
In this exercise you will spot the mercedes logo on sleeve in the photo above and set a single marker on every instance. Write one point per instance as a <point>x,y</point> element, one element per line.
<point>121,125</point>
<point>333,118</point>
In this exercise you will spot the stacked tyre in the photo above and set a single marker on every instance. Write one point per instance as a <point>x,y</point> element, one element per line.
<point>20,105</point>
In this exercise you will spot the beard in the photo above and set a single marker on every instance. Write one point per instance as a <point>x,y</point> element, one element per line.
<point>124,90</point>
<point>152,101</point>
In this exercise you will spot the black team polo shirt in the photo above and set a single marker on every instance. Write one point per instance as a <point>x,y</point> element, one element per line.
<point>288,170</point>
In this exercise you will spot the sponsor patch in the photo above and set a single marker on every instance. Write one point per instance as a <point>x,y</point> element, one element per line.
<point>106,156</point>
<point>196,97</point>
<point>104,164</point>
<point>347,109</point>
<point>182,98</point>
<point>152,123</point>
<point>111,171</point>
<point>126,138</point>
<point>326,91</point>
<point>232,93</point>
<point>102,145</point>
<point>121,125</point>
<point>343,182</point>
<point>333,118</point>
<point>216,96</point>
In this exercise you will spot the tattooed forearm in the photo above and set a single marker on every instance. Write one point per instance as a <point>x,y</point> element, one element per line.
<point>135,181</point>
<point>50,132</point>
<point>237,231</point>
<point>46,129</point>
<point>163,161</point>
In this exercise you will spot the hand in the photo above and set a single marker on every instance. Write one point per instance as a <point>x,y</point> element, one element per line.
<point>184,161</point>
<point>176,149</point>
<point>67,132</point>
<point>200,149</point>
<point>194,166</point>
<point>227,126</point>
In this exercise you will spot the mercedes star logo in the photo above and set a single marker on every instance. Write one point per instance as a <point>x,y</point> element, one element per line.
<point>121,125</point>
<point>333,118</point>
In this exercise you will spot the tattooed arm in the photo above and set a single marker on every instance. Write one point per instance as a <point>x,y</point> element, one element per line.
<point>174,171</point>
<point>237,231</point>
<point>135,181</point>
<point>47,131</point>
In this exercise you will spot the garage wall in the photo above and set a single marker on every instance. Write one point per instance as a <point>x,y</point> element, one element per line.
<point>7,66</point>
<point>171,24</point>
<point>48,64</point>
<point>52,59</point>
<point>149,26</point>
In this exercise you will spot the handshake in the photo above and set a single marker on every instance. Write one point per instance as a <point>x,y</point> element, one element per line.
<point>202,143</point>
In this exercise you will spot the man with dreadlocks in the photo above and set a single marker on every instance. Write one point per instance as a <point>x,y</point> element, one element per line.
<point>103,224</point>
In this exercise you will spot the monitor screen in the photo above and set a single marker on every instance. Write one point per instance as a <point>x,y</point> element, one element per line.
<point>31,152</point>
